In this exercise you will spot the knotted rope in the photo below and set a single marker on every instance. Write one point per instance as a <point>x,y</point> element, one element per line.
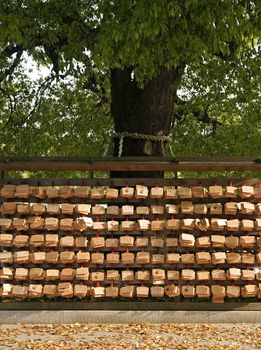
<point>151,138</point>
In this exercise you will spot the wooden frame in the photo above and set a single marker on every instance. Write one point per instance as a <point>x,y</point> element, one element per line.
<point>132,164</point>
<point>130,305</point>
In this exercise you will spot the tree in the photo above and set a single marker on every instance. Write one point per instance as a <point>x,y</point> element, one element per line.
<point>145,47</point>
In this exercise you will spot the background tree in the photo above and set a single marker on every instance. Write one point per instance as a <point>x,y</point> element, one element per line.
<point>133,55</point>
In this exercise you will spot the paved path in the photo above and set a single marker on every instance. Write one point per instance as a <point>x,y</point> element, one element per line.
<point>126,316</point>
<point>131,337</point>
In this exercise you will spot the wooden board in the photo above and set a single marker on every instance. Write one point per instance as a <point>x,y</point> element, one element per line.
<point>132,164</point>
<point>130,305</point>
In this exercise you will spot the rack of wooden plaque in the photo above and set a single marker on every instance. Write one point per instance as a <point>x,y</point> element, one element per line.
<point>138,240</point>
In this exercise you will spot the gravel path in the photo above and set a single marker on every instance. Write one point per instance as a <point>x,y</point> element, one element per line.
<point>131,337</point>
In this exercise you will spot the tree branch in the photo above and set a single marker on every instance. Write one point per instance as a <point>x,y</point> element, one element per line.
<point>9,71</point>
<point>11,109</point>
<point>10,50</point>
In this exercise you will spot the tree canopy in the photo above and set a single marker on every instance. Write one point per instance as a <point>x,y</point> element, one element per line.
<point>211,48</point>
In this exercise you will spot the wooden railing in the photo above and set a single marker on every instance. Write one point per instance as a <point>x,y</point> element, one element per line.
<point>132,164</point>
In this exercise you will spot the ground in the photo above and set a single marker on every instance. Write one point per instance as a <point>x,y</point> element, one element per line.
<point>131,337</point>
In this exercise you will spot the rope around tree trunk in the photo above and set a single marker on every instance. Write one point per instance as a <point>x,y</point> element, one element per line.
<point>164,140</point>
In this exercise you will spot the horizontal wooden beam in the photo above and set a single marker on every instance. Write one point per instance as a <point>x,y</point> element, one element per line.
<point>121,182</point>
<point>131,164</point>
<point>130,305</point>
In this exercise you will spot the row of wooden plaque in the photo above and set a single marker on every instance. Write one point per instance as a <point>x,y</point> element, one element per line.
<point>127,241</point>
<point>154,275</point>
<point>69,290</point>
<point>185,207</point>
<point>86,224</point>
<point>142,257</point>
<point>140,192</point>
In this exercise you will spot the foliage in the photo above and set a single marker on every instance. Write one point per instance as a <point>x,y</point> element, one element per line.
<point>65,120</point>
<point>68,111</point>
<point>222,116</point>
<point>146,35</point>
<point>149,35</point>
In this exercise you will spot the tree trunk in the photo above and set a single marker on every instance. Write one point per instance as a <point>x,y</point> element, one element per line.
<point>146,111</point>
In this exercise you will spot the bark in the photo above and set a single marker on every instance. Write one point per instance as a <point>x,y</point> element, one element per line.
<point>147,111</point>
